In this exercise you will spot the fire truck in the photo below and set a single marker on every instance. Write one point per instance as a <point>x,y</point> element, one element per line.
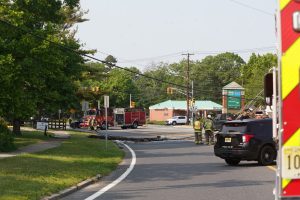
<point>88,118</point>
<point>129,117</point>
<point>117,117</point>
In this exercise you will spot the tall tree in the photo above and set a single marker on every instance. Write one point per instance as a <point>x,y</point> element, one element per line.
<point>119,86</point>
<point>214,72</point>
<point>253,74</point>
<point>39,74</point>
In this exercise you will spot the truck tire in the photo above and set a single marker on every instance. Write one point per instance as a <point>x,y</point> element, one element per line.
<point>267,155</point>
<point>135,125</point>
<point>103,126</point>
<point>232,162</point>
<point>98,130</point>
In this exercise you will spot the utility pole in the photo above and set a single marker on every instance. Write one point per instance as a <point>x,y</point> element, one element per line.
<point>188,86</point>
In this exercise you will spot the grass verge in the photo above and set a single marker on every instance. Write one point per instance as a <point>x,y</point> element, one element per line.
<point>33,176</point>
<point>157,122</point>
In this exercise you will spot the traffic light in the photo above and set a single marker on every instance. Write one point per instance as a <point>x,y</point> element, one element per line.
<point>169,90</point>
<point>132,104</point>
<point>192,102</point>
<point>268,88</point>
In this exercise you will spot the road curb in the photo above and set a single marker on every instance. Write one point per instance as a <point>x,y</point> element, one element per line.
<point>73,189</point>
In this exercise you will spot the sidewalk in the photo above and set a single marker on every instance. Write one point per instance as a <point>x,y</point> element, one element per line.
<point>62,134</point>
<point>41,146</point>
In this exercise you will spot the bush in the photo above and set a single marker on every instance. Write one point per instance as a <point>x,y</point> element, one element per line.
<point>6,137</point>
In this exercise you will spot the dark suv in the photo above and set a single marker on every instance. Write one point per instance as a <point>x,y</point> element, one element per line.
<point>249,139</point>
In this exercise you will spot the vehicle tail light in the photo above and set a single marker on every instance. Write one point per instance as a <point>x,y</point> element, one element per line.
<point>247,137</point>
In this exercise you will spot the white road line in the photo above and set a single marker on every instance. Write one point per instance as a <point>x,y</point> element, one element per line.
<point>118,180</point>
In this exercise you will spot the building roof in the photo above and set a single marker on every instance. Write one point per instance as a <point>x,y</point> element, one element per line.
<point>233,86</point>
<point>181,105</point>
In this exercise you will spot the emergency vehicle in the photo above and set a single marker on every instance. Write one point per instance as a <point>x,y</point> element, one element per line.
<point>118,117</point>
<point>88,118</point>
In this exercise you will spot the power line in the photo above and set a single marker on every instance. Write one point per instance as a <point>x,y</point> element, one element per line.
<point>236,50</point>
<point>156,57</point>
<point>90,57</point>
<point>249,50</point>
<point>94,58</point>
<point>251,7</point>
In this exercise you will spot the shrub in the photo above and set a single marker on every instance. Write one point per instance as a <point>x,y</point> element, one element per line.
<point>6,137</point>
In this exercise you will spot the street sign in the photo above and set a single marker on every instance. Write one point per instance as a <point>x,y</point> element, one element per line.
<point>234,99</point>
<point>291,162</point>
<point>85,105</point>
<point>106,101</point>
<point>42,125</point>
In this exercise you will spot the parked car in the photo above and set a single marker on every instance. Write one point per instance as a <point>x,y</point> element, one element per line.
<point>249,139</point>
<point>220,119</point>
<point>176,120</point>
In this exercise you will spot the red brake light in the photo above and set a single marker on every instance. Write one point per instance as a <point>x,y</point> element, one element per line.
<point>247,137</point>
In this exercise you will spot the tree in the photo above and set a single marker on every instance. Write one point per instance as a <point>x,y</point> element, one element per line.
<point>111,59</point>
<point>119,86</point>
<point>254,71</point>
<point>214,72</point>
<point>39,75</point>
<point>92,83</point>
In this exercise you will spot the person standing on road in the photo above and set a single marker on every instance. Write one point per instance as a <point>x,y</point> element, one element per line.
<point>198,131</point>
<point>208,127</point>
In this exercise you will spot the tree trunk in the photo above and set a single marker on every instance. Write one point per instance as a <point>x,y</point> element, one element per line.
<point>17,127</point>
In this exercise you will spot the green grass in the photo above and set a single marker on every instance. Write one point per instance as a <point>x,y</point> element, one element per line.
<point>33,176</point>
<point>157,122</point>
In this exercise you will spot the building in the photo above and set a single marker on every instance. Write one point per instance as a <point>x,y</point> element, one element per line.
<point>165,110</point>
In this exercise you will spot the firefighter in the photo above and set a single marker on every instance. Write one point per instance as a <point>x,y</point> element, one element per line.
<point>197,131</point>
<point>208,127</point>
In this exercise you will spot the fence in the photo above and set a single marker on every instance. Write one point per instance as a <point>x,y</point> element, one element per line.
<point>57,124</point>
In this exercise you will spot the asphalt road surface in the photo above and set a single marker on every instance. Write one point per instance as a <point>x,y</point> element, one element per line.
<point>151,131</point>
<point>180,170</point>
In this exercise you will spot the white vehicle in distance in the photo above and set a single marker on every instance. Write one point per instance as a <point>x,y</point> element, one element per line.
<point>176,120</point>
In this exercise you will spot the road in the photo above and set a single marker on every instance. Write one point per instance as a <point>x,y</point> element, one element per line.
<point>181,170</point>
<point>152,131</point>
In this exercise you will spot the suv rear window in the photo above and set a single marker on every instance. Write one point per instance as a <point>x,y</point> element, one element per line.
<point>234,127</point>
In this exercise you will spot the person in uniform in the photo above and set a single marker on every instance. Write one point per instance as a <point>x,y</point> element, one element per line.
<point>198,131</point>
<point>208,127</point>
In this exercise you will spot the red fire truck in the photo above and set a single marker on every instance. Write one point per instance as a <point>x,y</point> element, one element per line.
<point>88,119</point>
<point>129,117</point>
<point>118,117</point>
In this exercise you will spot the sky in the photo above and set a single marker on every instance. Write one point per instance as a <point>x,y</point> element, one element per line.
<point>143,33</point>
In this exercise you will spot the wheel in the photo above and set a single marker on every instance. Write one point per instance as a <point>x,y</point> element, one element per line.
<point>174,123</point>
<point>267,155</point>
<point>98,130</point>
<point>123,127</point>
<point>103,126</point>
<point>135,125</point>
<point>232,162</point>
